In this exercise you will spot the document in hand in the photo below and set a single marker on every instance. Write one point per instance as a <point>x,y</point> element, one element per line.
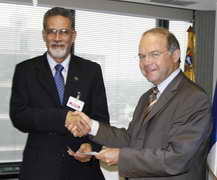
<point>93,153</point>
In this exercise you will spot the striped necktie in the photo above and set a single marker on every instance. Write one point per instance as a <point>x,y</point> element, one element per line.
<point>59,80</point>
<point>152,99</point>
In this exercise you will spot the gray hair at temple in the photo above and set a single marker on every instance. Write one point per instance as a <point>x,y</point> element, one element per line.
<point>58,11</point>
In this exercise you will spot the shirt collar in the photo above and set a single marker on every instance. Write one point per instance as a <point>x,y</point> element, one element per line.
<point>162,86</point>
<point>52,63</point>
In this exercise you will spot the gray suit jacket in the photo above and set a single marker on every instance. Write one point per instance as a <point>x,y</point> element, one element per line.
<point>171,143</point>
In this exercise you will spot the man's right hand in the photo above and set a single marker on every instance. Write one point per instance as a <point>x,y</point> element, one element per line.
<point>78,123</point>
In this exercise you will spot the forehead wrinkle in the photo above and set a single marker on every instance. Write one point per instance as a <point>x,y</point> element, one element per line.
<point>152,42</point>
<point>59,22</point>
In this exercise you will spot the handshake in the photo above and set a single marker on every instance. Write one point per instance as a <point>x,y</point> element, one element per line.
<point>78,123</point>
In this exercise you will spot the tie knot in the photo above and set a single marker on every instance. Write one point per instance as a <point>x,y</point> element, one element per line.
<point>155,90</point>
<point>59,68</point>
<point>153,95</point>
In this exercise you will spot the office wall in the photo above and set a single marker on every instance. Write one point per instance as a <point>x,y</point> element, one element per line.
<point>205,31</point>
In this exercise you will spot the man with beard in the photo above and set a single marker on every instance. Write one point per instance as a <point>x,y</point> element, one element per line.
<point>42,88</point>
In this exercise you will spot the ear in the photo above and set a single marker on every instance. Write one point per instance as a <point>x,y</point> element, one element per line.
<point>176,55</point>
<point>74,36</point>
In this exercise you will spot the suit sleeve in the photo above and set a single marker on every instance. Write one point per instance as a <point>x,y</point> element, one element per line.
<point>119,137</point>
<point>187,139</point>
<point>30,119</point>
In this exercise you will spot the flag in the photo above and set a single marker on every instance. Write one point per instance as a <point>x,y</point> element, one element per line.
<point>212,156</point>
<point>188,69</point>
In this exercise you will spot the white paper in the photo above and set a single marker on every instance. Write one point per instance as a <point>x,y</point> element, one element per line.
<point>93,153</point>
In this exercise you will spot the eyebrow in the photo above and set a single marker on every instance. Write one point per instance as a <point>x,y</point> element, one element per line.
<point>150,52</point>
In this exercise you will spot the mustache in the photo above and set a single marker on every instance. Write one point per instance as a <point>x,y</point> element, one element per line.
<point>57,44</point>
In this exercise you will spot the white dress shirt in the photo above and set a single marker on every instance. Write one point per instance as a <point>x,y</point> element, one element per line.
<point>52,63</point>
<point>162,86</point>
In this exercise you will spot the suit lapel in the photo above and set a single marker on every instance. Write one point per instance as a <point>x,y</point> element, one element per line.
<point>73,79</point>
<point>46,79</point>
<point>168,94</point>
<point>138,120</point>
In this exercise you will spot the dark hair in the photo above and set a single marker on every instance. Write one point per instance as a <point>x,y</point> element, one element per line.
<point>172,42</point>
<point>58,11</point>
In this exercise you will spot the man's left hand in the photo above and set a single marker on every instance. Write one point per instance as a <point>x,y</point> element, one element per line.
<point>78,154</point>
<point>109,155</point>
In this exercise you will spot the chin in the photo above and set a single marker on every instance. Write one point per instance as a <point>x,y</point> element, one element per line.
<point>58,53</point>
<point>152,80</point>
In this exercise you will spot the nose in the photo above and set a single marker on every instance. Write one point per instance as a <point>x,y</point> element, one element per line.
<point>57,36</point>
<point>147,60</point>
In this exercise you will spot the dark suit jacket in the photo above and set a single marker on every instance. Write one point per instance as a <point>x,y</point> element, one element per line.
<point>171,143</point>
<point>36,110</point>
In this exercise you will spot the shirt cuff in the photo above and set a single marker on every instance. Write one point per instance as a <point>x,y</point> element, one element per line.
<point>94,127</point>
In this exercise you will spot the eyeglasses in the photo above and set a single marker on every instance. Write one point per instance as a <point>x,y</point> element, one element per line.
<point>154,55</point>
<point>60,32</point>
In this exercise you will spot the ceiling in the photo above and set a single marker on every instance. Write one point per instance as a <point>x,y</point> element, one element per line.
<point>187,4</point>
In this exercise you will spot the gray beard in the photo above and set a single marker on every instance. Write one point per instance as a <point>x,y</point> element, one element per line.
<point>58,52</point>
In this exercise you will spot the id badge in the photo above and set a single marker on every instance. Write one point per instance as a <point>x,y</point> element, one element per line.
<point>75,104</point>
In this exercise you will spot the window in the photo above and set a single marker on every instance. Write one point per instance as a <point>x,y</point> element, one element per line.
<point>112,41</point>
<point>21,39</point>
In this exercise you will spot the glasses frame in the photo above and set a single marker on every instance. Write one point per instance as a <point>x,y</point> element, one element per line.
<point>61,32</point>
<point>153,55</point>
